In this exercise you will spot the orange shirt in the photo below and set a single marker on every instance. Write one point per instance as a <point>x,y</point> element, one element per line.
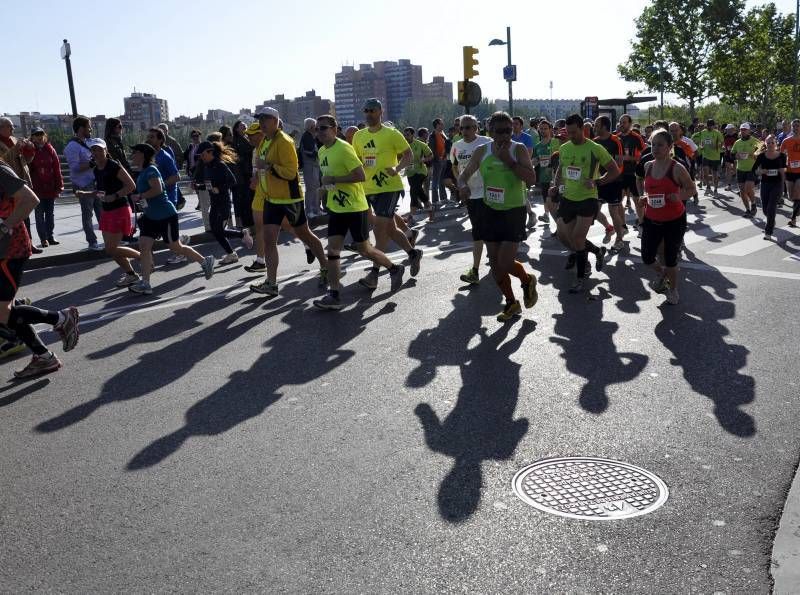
<point>791,146</point>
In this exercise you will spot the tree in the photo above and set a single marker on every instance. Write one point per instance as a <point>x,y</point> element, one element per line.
<point>421,112</point>
<point>676,40</point>
<point>752,66</point>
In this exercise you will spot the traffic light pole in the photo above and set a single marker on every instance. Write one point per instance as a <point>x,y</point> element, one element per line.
<point>510,83</point>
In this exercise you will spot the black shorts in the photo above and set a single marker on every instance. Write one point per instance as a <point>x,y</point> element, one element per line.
<point>711,163</point>
<point>670,232</point>
<point>503,226</point>
<point>356,223</point>
<point>729,157</point>
<point>384,204</point>
<point>611,194</point>
<point>475,210</point>
<point>294,212</point>
<point>570,209</point>
<point>628,183</point>
<point>167,229</point>
<point>745,176</point>
<point>10,276</point>
<point>792,177</point>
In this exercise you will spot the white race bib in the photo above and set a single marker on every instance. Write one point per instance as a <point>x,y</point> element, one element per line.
<point>544,162</point>
<point>656,200</point>
<point>794,164</point>
<point>772,172</point>
<point>742,156</point>
<point>370,161</point>
<point>561,189</point>
<point>495,195</point>
<point>573,173</point>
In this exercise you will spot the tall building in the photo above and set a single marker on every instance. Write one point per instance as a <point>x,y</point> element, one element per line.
<point>438,89</point>
<point>144,110</point>
<point>403,82</point>
<point>352,87</point>
<point>294,111</point>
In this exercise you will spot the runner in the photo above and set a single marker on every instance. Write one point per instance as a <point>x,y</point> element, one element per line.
<point>667,186</point>
<point>279,182</point>
<point>168,168</point>
<point>17,318</point>
<point>379,147</point>
<point>519,136</point>
<point>342,177</point>
<point>114,185</point>
<point>543,154</point>
<point>506,170</point>
<point>632,147</point>
<point>771,165</point>
<point>611,193</point>
<point>579,163</point>
<point>744,150</point>
<point>728,158</point>
<point>460,155</point>
<point>160,219</point>
<point>417,172</point>
<point>711,143</point>
<point>791,148</point>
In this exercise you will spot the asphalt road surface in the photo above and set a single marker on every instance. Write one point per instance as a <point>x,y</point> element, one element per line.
<point>207,439</point>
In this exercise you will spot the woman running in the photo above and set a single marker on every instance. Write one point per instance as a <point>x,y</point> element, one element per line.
<point>772,165</point>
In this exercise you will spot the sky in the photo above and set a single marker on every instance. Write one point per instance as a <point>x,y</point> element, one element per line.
<point>204,54</point>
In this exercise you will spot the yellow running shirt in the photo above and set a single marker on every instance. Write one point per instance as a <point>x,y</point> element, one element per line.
<point>377,151</point>
<point>339,160</point>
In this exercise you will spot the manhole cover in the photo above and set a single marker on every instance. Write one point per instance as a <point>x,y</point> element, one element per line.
<point>589,488</point>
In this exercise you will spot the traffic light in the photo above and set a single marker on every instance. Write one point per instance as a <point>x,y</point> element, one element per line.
<point>470,62</point>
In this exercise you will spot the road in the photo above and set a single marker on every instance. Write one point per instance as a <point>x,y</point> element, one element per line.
<point>207,439</point>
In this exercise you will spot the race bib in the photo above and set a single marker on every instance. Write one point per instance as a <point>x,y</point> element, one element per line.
<point>370,161</point>
<point>794,164</point>
<point>573,173</point>
<point>772,172</point>
<point>495,195</point>
<point>544,162</point>
<point>743,156</point>
<point>561,189</point>
<point>656,200</point>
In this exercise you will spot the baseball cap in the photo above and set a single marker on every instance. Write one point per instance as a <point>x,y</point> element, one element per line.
<point>204,146</point>
<point>373,103</point>
<point>268,112</point>
<point>745,126</point>
<point>95,142</point>
<point>730,127</point>
<point>254,128</point>
<point>37,130</point>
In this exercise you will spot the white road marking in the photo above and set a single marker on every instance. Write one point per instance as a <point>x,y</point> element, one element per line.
<point>706,233</point>
<point>754,243</point>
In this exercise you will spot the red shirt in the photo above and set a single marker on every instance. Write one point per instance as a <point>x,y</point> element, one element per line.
<point>657,189</point>
<point>10,183</point>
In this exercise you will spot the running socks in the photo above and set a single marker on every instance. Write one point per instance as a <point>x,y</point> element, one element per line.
<point>582,261</point>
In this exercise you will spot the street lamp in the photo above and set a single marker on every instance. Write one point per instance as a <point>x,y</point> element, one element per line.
<point>66,52</point>
<point>509,72</point>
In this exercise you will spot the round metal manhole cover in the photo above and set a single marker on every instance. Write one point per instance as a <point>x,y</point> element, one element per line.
<point>589,488</point>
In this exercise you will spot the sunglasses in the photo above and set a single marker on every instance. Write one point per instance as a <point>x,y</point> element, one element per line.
<point>370,110</point>
<point>502,130</point>
<point>468,127</point>
<point>322,128</point>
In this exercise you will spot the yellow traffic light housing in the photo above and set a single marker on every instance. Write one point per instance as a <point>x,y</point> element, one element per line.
<point>470,62</point>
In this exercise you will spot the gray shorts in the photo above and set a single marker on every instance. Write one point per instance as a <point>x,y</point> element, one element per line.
<point>384,204</point>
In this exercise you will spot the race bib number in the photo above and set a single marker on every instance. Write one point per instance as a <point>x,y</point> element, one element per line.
<point>656,200</point>
<point>794,164</point>
<point>772,172</point>
<point>561,189</point>
<point>370,161</point>
<point>495,195</point>
<point>573,173</point>
<point>544,162</point>
<point>707,142</point>
<point>743,156</point>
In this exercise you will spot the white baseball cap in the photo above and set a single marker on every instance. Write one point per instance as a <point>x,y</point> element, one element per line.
<point>745,126</point>
<point>268,112</point>
<point>96,142</point>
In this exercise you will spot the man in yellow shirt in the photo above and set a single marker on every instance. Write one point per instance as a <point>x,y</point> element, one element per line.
<point>384,152</point>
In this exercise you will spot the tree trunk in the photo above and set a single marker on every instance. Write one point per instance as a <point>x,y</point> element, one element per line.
<point>692,112</point>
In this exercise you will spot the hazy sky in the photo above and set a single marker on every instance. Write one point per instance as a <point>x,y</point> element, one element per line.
<point>203,54</point>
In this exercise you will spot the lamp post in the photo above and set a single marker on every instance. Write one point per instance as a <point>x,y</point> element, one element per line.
<point>509,75</point>
<point>66,52</point>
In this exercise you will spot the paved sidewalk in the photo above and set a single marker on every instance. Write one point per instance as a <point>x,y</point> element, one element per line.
<point>786,549</point>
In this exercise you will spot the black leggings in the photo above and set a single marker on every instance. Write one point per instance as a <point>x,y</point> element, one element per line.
<point>795,209</point>
<point>670,232</point>
<point>770,195</point>
<point>23,318</point>
<point>217,217</point>
<point>419,197</point>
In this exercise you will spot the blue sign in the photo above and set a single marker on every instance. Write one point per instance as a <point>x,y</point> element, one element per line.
<point>510,73</point>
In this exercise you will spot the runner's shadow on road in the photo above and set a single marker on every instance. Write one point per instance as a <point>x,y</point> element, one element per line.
<point>694,333</point>
<point>247,394</point>
<point>23,390</point>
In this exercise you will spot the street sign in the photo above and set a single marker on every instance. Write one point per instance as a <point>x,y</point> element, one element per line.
<point>590,104</point>
<point>469,93</point>
<point>510,72</point>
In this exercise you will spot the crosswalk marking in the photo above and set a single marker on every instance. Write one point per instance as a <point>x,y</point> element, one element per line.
<point>691,219</point>
<point>795,257</point>
<point>706,233</point>
<point>754,243</point>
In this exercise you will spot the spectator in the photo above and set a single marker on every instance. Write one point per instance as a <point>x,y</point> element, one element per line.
<point>437,143</point>
<point>172,143</point>
<point>79,158</point>
<point>243,170</point>
<point>190,155</point>
<point>227,134</point>
<point>310,165</point>
<point>47,183</point>
<point>115,148</point>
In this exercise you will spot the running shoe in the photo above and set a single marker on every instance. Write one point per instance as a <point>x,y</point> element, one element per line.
<point>660,285</point>
<point>672,296</point>
<point>370,280</point>
<point>792,223</point>
<point>127,279</point>
<point>39,364</point>
<point>68,329</point>
<point>618,246</point>
<point>396,276</point>
<point>231,258</point>
<point>609,234</point>
<point>208,266</point>
<point>265,288</point>
<point>256,267</point>
<point>753,210</point>
<point>95,247</point>
<point>247,239</point>
<point>769,237</point>
<point>414,262</point>
<point>141,287</point>
<point>413,239</point>
<point>309,256</point>
<point>185,239</point>
<point>53,242</point>
<point>9,348</point>
<point>509,311</point>
<point>577,286</point>
<point>571,259</point>
<point>328,302</point>
<point>44,244</point>
<point>176,259</point>
<point>529,294</point>
<point>601,259</point>
<point>471,277</point>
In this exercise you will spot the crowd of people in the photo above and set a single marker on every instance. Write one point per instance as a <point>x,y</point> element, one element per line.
<point>494,168</point>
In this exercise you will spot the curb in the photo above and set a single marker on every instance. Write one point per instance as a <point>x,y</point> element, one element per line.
<point>785,567</point>
<point>83,256</point>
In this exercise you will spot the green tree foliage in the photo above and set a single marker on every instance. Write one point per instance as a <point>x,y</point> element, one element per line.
<point>749,70</point>
<point>677,39</point>
<point>419,113</point>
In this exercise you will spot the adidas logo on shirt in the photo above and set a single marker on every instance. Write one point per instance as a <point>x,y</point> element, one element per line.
<point>324,162</point>
<point>370,145</point>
